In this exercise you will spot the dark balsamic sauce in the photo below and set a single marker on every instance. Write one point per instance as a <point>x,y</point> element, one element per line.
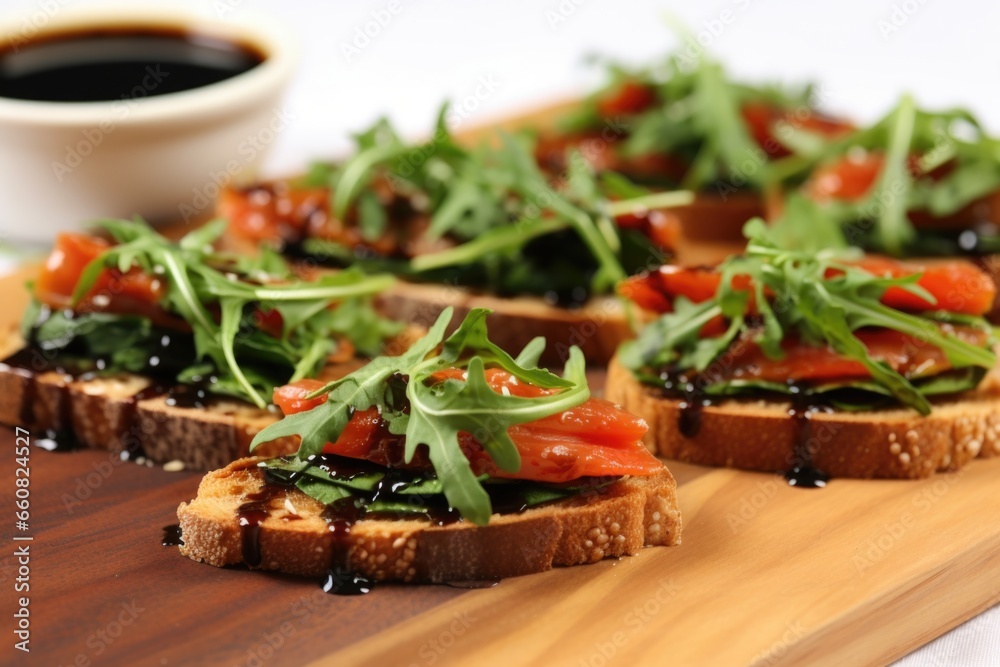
<point>340,516</point>
<point>27,363</point>
<point>132,449</point>
<point>803,473</point>
<point>197,395</point>
<point>118,63</point>
<point>691,392</point>
<point>250,515</point>
<point>172,536</point>
<point>340,579</point>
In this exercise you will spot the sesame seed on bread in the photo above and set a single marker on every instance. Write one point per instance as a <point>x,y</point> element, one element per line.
<point>619,520</point>
<point>760,435</point>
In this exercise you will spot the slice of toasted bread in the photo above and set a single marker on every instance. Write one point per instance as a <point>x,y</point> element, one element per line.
<point>598,327</point>
<point>128,413</point>
<point>761,435</point>
<point>617,520</point>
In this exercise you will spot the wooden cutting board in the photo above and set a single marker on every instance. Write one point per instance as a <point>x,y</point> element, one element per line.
<point>861,572</point>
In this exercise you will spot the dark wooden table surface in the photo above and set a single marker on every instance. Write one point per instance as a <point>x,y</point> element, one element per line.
<point>104,591</point>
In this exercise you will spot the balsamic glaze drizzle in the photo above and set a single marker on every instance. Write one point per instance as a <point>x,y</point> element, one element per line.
<point>170,349</point>
<point>803,473</point>
<point>340,516</point>
<point>172,536</point>
<point>690,391</point>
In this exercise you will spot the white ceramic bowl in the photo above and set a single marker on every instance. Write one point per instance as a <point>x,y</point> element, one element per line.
<point>164,157</point>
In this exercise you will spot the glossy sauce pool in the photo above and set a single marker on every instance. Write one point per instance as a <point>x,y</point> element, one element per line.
<point>119,63</point>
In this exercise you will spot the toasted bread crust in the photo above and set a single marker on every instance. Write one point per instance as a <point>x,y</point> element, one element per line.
<point>111,413</point>
<point>617,521</point>
<point>598,327</point>
<point>760,435</point>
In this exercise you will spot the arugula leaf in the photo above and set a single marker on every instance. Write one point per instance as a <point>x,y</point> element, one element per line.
<point>936,162</point>
<point>244,360</point>
<point>696,118</point>
<point>407,497</point>
<point>439,411</point>
<point>819,309</point>
<point>496,211</point>
<point>893,185</point>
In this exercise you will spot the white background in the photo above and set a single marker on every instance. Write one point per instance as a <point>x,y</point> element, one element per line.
<point>865,53</point>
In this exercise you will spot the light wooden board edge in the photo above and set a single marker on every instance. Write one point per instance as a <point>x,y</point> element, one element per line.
<point>802,579</point>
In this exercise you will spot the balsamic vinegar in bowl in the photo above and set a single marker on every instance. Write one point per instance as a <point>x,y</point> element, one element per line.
<point>103,64</point>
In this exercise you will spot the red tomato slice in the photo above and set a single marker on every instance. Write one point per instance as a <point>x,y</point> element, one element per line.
<point>281,212</point>
<point>113,291</point>
<point>62,269</point>
<point>848,179</point>
<point>556,458</point>
<point>957,286</point>
<point>852,177</point>
<point>762,119</point>
<point>630,98</point>
<point>644,290</point>
<point>593,439</point>
<point>274,211</point>
<point>905,354</point>
<point>291,398</point>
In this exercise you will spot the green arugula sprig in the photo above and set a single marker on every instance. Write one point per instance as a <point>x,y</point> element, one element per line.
<point>820,310</point>
<point>493,202</point>
<point>912,140</point>
<point>434,413</point>
<point>408,498</point>
<point>696,118</point>
<point>199,283</point>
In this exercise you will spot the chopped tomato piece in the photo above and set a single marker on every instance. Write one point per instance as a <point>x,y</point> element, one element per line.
<point>593,439</point>
<point>273,211</point>
<point>70,256</point>
<point>905,354</point>
<point>362,434</point>
<point>133,291</point>
<point>555,458</point>
<point>269,321</point>
<point>291,398</point>
<point>852,177</point>
<point>663,228</point>
<point>848,179</point>
<point>645,291</point>
<point>957,286</point>
<point>762,119</point>
<point>631,97</point>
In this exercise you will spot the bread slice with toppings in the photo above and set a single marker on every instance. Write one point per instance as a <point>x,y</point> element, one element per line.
<point>137,416</point>
<point>615,520</point>
<point>762,435</point>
